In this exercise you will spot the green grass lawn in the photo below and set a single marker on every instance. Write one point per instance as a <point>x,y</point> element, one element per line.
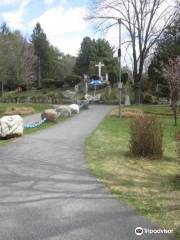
<point>160,110</point>
<point>148,185</point>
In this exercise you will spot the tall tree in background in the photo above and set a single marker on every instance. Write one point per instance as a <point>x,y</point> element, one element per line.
<point>84,57</point>
<point>41,46</point>
<point>5,70</point>
<point>23,60</point>
<point>144,22</point>
<point>168,47</point>
<point>171,72</point>
<point>94,51</point>
<point>56,67</point>
<point>17,59</point>
<point>68,63</point>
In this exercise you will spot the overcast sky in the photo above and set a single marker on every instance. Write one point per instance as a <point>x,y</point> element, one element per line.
<point>62,20</point>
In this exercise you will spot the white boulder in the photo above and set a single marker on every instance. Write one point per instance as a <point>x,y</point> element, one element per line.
<point>74,108</point>
<point>95,98</point>
<point>63,110</point>
<point>11,126</point>
<point>88,97</point>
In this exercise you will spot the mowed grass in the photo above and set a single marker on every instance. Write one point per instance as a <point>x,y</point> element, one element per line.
<point>148,185</point>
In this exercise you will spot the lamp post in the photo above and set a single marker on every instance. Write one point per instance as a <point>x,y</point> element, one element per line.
<point>119,81</point>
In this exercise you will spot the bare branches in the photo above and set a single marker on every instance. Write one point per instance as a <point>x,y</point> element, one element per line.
<point>171,72</point>
<point>144,22</point>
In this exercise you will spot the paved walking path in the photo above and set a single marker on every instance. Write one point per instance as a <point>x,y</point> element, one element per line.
<point>48,193</point>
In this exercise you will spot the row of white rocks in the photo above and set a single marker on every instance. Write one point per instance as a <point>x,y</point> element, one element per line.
<point>13,125</point>
<point>60,111</point>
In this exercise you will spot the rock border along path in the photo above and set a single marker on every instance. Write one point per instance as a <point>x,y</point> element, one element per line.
<point>48,193</point>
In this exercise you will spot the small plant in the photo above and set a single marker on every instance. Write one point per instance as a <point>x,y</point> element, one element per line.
<point>146,137</point>
<point>147,98</point>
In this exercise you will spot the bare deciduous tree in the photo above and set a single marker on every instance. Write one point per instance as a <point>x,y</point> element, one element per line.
<point>144,22</point>
<point>171,72</point>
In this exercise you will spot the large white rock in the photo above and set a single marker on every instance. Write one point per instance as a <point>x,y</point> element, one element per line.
<point>11,125</point>
<point>74,108</point>
<point>88,97</point>
<point>63,110</point>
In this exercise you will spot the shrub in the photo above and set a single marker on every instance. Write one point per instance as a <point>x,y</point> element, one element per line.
<point>147,98</point>
<point>51,83</point>
<point>72,80</point>
<point>146,137</point>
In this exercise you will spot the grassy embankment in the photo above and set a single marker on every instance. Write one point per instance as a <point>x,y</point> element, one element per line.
<point>148,185</point>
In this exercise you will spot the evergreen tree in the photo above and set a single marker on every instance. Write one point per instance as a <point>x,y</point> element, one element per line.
<point>69,64</point>
<point>41,46</point>
<point>84,57</point>
<point>168,47</point>
<point>56,66</point>
<point>92,52</point>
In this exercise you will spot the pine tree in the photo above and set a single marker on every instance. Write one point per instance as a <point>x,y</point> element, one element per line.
<point>41,46</point>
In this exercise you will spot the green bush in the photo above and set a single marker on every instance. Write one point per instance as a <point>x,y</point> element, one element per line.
<point>51,83</point>
<point>146,137</point>
<point>72,80</point>
<point>147,98</point>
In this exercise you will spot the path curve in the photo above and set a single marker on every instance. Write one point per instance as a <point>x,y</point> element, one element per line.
<point>48,193</point>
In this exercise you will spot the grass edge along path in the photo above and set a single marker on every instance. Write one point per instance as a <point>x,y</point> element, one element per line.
<point>29,131</point>
<point>147,185</point>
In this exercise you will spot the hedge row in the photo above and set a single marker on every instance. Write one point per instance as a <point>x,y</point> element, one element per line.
<point>35,99</point>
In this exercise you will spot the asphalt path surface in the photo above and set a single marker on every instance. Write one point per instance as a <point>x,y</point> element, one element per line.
<point>48,193</point>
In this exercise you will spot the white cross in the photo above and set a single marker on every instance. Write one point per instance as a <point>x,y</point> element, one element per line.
<point>107,77</point>
<point>100,65</point>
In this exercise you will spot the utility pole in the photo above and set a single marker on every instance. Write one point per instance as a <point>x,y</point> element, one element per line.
<point>120,82</point>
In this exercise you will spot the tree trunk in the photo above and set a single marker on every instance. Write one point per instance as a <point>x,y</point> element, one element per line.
<point>2,88</point>
<point>175,117</point>
<point>39,72</point>
<point>137,75</point>
<point>137,89</point>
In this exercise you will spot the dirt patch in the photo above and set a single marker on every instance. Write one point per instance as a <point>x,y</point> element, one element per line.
<point>19,111</point>
<point>126,112</point>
